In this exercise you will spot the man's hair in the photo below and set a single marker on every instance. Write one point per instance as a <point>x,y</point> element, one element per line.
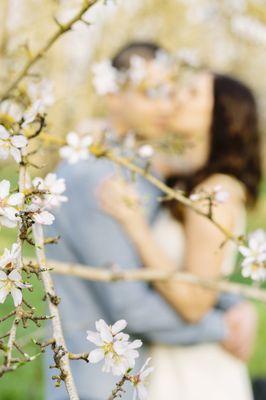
<point>146,50</point>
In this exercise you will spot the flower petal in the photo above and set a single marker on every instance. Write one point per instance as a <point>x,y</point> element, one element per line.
<point>16,154</point>
<point>95,338</point>
<point>19,141</point>
<point>4,134</point>
<point>15,199</point>
<point>17,296</point>
<point>4,188</point>
<point>3,276</point>
<point>96,356</point>
<point>3,294</point>
<point>14,275</point>
<point>135,344</point>
<point>44,218</point>
<point>119,326</point>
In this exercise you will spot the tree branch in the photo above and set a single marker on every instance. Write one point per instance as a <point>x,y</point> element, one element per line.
<point>147,275</point>
<point>60,31</point>
<point>63,358</point>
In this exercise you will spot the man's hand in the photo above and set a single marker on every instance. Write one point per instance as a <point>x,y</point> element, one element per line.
<point>241,322</point>
<point>119,199</point>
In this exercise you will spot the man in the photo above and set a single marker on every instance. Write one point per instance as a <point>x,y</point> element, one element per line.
<point>90,237</point>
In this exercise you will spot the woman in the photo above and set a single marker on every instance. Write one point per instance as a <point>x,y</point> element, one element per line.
<point>219,115</point>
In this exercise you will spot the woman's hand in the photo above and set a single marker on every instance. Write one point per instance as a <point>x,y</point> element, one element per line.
<point>241,321</point>
<point>119,199</point>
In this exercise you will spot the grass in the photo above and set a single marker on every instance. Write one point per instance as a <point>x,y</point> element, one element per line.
<point>27,383</point>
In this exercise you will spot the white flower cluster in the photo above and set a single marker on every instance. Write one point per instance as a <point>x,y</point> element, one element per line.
<point>254,262</point>
<point>217,195</point>
<point>11,144</point>
<point>77,147</point>
<point>47,194</point>
<point>153,76</point>
<point>118,354</point>
<point>10,277</point>
<point>39,97</point>
<point>113,347</point>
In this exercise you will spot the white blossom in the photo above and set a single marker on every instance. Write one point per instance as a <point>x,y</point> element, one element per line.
<point>42,91</point>
<point>53,188</point>
<point>137,71</point>
<point>77,147</point>
<point>140,382</point>
<point>220,195</point>
<point>31,113</point>
<point>254,254</point>
<point>113,347</point>
<point>10,256</point>
<point>105,78</point>
<point>11,283</point>
<point>38,214</point>
<point>217,194</point>
<point>9,204</point>
<point>196,196</point>
<point>10,110</point>
<point>11,145</point>
<point>146,151</point>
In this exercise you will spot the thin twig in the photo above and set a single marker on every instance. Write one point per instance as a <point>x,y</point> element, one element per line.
<point>149,275</point>
<point>59,32</point>
<point>52,299</point>
<point>173,194</point>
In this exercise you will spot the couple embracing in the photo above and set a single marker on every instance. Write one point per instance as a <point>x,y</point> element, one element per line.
<point>199,340</point>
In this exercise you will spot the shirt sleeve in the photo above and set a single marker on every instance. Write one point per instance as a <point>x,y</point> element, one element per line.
<point>228,300</point>
<point>93,238</point>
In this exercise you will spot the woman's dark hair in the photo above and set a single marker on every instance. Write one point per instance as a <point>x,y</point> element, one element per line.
<point>235,144</point>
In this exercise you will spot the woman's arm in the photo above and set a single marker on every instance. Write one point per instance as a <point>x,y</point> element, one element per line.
<point>204,254</point>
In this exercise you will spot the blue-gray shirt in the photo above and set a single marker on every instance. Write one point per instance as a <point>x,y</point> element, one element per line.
<point>90,237</point>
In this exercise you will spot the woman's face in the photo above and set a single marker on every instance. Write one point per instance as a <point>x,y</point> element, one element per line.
<point>191,120</point>
<point>193,106</point>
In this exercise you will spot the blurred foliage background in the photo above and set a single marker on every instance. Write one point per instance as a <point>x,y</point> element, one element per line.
<point>228,35</point>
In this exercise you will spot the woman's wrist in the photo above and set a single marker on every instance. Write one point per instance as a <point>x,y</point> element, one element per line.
<point>136,227</point>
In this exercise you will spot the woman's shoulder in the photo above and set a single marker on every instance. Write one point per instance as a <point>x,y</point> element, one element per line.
<point>235,189</point>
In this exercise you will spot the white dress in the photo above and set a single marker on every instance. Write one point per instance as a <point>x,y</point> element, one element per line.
<point>203,371</point>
